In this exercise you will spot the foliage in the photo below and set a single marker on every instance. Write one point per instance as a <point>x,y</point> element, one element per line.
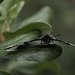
<point>16,32</point>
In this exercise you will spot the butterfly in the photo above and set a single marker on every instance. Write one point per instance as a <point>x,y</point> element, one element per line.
<point>46,39</point>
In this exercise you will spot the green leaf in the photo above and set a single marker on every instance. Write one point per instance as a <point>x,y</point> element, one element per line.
<point>41,27</point>
<point>32,67</point>
<point>13,13</point>
<point>6,6</point>
<point>9,10</point>
<point>38,22</point>
<point>44,16</point>
<point>4,73</point>
<point>18,65</point>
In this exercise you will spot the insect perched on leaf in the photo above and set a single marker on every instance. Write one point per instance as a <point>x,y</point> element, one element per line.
<point>46,39</point>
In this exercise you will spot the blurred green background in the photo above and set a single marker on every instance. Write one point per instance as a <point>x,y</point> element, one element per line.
<point>63,23</point>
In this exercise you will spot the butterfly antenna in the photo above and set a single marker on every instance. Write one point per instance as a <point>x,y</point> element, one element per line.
<point>65,42</point>
<point>10,47</point>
